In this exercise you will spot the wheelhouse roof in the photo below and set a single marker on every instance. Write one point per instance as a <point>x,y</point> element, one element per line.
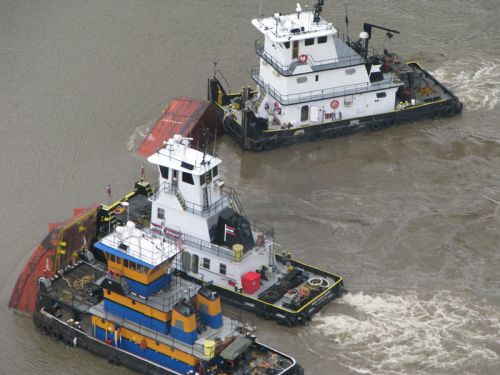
<point>284,28</point>
<point>181,157</point>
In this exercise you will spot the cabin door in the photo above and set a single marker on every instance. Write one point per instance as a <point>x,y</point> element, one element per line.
<point>304,113</point>
<point>295,49</point>
<point>186,262</point>
<point>195,259</point>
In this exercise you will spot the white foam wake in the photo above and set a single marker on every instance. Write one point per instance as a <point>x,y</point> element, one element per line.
<point>476,81</point>
<point>138,136</point>
<point>393,334</point>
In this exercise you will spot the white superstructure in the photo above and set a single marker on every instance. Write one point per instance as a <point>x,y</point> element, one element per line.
<point>187,205</point>
<point>309,75</point>
<point>189,196</point>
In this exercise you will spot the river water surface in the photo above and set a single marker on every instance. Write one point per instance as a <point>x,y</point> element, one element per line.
<point>409,215</point>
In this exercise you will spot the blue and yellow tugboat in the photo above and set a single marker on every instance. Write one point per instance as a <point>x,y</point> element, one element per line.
<point>314,83</point>
<point>134,309</point>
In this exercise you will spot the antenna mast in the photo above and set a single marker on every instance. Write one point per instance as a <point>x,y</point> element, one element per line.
<point>346,22</point>
<point>318,8</point>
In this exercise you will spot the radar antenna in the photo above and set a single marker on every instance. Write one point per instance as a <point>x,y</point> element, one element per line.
<point>318,7</point>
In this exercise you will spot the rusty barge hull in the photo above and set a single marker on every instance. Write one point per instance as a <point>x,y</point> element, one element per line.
<point>55,252</point>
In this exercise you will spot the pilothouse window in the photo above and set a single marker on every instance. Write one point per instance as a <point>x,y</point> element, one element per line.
<point>164,172</point>
<point>206,263</point>
<point>322,39</point>
<point>187,178</point>
<point>309,42</point>
<point>161,214</point>
<point>295,49</point>
<point>215,172</point>
<point>222,269</point>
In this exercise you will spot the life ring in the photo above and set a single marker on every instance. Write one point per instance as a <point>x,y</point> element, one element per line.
<point>276,105</point>
<point>318,281</point>
<point>302,59</point>
<point>334,104</point>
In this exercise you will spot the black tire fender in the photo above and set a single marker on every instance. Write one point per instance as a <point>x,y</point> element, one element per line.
<point>46,329</point>
<point>258,145</point>
<point>391,123</point>
<point>435,115</point>
<point>448,111</point>
<point>268,145</point>
<point>279,142</point>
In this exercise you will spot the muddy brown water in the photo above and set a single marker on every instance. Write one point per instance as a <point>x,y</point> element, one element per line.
<point>409,215</point>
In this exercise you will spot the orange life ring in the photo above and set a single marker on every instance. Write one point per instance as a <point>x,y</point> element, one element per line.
<point>302,58</point>
<point>334,104</point>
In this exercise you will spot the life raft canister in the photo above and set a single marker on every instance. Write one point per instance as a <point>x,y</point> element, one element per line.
<point>302,59</point>
<point>334,104</point>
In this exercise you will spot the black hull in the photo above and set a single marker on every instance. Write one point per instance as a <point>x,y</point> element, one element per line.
<point>63,332</point>
<point>60,331</point>
<point>269,140</point>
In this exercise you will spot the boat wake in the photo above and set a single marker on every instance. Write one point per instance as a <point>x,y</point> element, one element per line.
<point>393,334</point>
<point>476,82</point>
<point>139,134</point>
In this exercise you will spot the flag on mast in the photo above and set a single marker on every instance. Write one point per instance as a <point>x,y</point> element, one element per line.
<point>229,230</point>
<point>108,191</point>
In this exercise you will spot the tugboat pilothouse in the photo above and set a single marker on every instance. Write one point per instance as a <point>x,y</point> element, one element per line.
<point>221,246</point>
<point>314,83</point>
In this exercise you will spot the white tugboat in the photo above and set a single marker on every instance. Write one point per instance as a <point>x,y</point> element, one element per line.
<point>313,83</point>
<point>221,247</point>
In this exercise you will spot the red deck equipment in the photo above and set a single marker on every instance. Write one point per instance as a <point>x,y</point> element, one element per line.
<point>250,282</point>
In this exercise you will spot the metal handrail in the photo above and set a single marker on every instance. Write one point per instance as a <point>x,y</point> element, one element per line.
<point>320,94</point>
<point>319,65</point>
<point>228,197</point>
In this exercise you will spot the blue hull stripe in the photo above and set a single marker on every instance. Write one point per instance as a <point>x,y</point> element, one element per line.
<point>147,290</point>
<point>135,316</point>
<point>149,354</point>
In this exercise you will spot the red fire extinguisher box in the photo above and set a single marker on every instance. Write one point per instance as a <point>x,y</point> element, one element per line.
<point>250,282</point>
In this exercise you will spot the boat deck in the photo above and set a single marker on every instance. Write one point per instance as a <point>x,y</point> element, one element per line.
<point>73,287</point>
<point>276,288</point>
